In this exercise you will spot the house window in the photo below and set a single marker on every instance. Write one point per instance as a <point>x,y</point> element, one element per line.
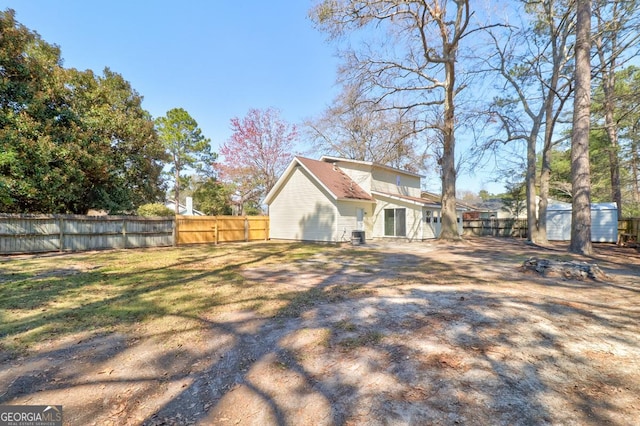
<point>395,223</point>
<point>427,216</point>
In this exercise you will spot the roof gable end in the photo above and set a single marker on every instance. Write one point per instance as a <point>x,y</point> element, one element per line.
<point>331,178</point>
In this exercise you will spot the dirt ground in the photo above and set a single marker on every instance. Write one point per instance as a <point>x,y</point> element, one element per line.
<point>402,333</point>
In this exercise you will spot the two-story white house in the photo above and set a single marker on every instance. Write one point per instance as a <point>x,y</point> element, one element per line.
<point>328,199</point>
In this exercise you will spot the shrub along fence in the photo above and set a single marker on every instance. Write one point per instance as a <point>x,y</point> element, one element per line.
<point>46,233</point>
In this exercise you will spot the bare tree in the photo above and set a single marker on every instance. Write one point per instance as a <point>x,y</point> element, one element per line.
<point>616,40</point>
<point>534,63</point>
<point>360,129</point>
<point>580,172</point>
<point>412,65</point>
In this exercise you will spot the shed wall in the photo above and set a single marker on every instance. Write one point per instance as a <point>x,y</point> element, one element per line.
<point>604,225</point>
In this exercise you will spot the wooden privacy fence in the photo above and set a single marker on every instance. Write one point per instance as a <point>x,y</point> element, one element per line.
<point>44,233</point>
<point>629,230</point>
<point>496,227</point>
<point>221,229</point>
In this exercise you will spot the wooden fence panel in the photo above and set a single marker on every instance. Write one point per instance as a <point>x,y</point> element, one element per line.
<point>149,232</point>
<point>496,227</point>
<point>45,233</point>
<point>221,229</point>
<point>196,229</point>
<point>88,233</point>
<point>29,234</point>
<point>258,228</point>
<point>629,229</point>
<point>232,228</point>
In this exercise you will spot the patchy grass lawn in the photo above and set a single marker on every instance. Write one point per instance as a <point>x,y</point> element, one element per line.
<point>284,333</point>
<point>100,292</point>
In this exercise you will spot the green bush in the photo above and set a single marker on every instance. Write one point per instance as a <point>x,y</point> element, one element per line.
<point>155,209</point>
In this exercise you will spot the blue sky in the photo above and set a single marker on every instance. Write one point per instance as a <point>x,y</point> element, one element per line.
<point>216,59</point>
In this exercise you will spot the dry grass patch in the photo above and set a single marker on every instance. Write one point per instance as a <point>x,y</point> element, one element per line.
<point>100,292</point>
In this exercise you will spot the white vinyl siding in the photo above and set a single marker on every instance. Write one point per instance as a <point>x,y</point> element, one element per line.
<point>387,181</point>
<point>348,219</point>
<point>413,218</point>
<point>359,173</point>
<point>430,225</point>
<point>302,210</point>
<point>372,178</point>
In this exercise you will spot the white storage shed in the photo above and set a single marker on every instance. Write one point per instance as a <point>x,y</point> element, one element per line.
<point>604,222</point>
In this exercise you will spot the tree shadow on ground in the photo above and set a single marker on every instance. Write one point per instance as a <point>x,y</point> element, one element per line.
<point>483,369</point>
<point>370,337</point>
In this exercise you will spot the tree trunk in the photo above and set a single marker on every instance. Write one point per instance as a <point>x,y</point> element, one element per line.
<point>608,48</point>
<point>580,172</point>
<point>611,127</point>
<point>449,217</point>
<point>545,178</point>
<point>614,167</point>
<point>635,164</point>
<point>177,191</point>
<point>532,205</point>
<point>608,85</point>
<point>550,120</point>
<point>545,171</point>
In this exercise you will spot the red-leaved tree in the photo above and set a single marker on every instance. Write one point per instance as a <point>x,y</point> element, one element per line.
<point>257,153</point>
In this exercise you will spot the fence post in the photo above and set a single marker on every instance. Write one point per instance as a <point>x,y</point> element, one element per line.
<point>246,229</point>
<point>215,229</point>
<point>266,228</point>
<point>176,232</point>
<point>124,233</point>
<point>61,224</point>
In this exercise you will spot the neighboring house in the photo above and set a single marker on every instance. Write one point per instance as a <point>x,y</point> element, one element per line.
<point>184,210</point>
<point>494,208</point>
<point>327,200</point>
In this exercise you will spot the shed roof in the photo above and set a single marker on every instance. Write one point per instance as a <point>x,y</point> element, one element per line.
<point>561,206</point>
